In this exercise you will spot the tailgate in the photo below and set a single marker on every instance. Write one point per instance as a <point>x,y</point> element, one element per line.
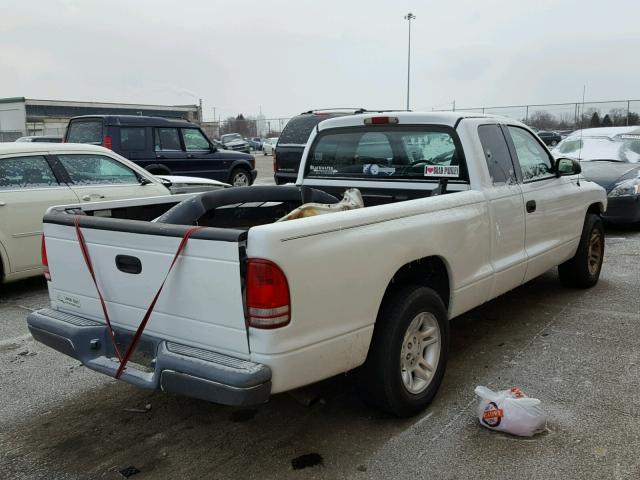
<point>201,304</point>
<point>288,158</point>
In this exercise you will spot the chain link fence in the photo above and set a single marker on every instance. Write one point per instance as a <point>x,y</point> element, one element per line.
<point>569,116</point>
<point>247,127</point>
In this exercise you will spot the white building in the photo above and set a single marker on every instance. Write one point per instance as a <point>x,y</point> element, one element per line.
<point>21,116</point>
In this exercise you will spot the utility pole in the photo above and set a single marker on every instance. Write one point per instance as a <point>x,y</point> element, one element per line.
<point>409,16</point>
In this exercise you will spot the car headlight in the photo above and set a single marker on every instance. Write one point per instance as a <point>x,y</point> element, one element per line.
<point>626,188</point>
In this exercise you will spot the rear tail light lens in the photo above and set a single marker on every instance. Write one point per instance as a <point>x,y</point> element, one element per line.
<point>107,142</point>
<point>275,165</point>
<point>380,120</point>
<point>268,302</point>
<point>45,261</point>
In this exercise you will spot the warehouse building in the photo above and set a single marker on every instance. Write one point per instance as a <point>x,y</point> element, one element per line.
<point>21,116</point>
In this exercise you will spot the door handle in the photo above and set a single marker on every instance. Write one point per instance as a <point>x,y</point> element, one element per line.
<point>190,156</point>
<point>161,156</point>
<point>2,204</point>
<point>531,206</point>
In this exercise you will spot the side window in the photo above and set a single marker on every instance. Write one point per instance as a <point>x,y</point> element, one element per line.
<point>194,140</point>
<point>132,138</point>
<point>25,172</point>
<point>496,153</point>
<point>89,169</point>
<point>167,139</point>
<point>85,131</point>
<point>533,159</point>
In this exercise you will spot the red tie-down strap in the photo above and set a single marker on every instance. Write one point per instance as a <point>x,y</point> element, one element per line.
<point>136,338</point>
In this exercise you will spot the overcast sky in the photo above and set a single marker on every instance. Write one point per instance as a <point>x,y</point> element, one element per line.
<point>289,56</point>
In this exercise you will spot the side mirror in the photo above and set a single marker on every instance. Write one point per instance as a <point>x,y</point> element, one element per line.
<point>567,166</point>
<point>165,181</point>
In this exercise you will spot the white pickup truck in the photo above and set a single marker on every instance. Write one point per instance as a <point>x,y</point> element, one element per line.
<point>458,209</point>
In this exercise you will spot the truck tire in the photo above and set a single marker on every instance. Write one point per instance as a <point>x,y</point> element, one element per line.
<point>158,169</point>
<point>583,270</point>
<point>408,352</point>
<point>240,177</point>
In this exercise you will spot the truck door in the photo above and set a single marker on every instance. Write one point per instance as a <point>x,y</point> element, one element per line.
<point>553,208</point>
<point>508,255</point>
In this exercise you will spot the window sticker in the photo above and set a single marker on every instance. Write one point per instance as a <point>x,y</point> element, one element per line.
<point>370,169</point>
<point>317,156</point>
<point>323,169</point>
<point>375,169</point>
<point>452,171</point>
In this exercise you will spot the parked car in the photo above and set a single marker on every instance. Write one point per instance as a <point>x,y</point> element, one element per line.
<point>163,146</point>
<point>41,139</point>
<point>293,139</point>
<point>565,133</point>
<point>611,158</point>
<point>255,143</point>
<point>235,142</point>
<point>36,176</point>
<point>549,138</point>
<point>269,146</point>
<point>475,207</point>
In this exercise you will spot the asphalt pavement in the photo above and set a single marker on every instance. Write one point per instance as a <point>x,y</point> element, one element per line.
<point>576,350</point>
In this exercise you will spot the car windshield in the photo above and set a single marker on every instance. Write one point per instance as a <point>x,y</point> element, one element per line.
<point>414,153</point>
<point>231,138</point>
<point>622,148</point>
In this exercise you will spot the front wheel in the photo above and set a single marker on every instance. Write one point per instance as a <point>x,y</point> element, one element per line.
<point>240,177</point>
<point>408,352</point>
<point>583,270</point>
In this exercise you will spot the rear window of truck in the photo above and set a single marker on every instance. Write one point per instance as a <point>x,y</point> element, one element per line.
<point>416,153</point>
<point>85,131</point>
<point>298,129</point>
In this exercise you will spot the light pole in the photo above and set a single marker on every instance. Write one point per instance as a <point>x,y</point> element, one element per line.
<point>409,16</point>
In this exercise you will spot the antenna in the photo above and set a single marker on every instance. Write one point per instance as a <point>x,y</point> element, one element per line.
<point>584,89</point>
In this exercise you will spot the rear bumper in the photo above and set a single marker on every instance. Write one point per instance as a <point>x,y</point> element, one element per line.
<point>623,209</point>
<point>171,367</point>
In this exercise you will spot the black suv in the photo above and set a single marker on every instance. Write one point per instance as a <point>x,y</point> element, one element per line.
<point>549,137</point>
<point>163,146</point>
<point>292,140</point>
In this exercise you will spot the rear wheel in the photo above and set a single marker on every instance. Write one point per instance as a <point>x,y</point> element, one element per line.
<point>554,143</point>
<point>240,177</point>
<point>158,169</point>
<point>583,270</point>
<point>408,352</point>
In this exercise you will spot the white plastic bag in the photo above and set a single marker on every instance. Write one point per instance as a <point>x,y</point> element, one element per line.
<point>510,411</point>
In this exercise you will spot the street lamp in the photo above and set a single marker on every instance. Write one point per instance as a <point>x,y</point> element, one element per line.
<point>409,16</point>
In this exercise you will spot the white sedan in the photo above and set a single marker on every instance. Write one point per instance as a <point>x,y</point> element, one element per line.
<point>36,176</point>
<point>269,145</point>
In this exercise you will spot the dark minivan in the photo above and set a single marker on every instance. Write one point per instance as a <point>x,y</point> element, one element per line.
<point>163,146</point>
<point>288,153</point>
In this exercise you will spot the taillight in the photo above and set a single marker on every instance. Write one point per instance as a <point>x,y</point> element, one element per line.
<point>107,142</point>
<point>380,120</point>
<point>268,304</point>
<point>275,166</point>
<point>45,261</point>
